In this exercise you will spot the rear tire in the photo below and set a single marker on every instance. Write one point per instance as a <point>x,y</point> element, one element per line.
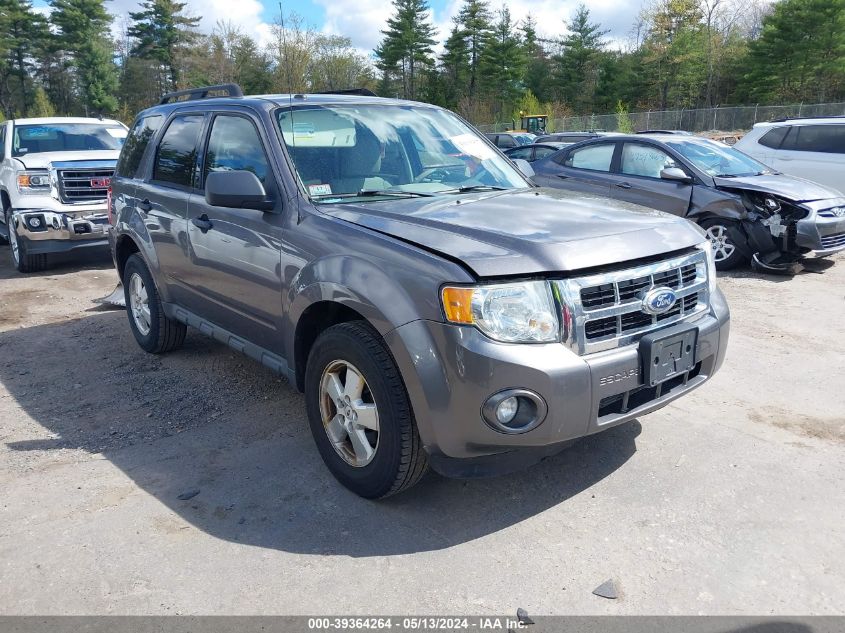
<point>360,414</point>
<point>728,256</point>
<point>154,331</point>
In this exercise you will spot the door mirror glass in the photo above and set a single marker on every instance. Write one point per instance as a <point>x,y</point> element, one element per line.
<point>524,166</point>
<point>675,173</point>
<point>236,190</point>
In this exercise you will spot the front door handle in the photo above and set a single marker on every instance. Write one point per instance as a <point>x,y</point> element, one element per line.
<point>202,223</point>
<point>145,205</point>
<point>624,185</point>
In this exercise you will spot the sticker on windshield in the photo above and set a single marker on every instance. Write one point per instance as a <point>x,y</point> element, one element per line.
<point>116,132</point>
<point>473,146</point>
<point>320,190</point>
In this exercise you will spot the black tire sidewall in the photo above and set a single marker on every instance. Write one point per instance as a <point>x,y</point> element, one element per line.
<point>737,257</point>
<point>150,341</point>
<point>377,478</point>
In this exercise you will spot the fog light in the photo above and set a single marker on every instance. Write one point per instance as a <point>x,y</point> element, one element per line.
<point>514,411</point>
<point>34,222</point>
<point>506,411</point>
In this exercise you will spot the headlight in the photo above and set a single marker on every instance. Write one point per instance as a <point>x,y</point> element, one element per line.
<point>522,312</point>
<point>711,265</point>
<point>33,181</point>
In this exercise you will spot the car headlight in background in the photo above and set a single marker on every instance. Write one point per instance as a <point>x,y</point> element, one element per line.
<point>34,181</point>
<point>520,312</point>
<point>711,265</point>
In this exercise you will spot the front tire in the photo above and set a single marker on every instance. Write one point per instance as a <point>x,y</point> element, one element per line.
<point>21,260</point>
<point>360,414</point>
<point>154,331</point>
<point>727,255</point>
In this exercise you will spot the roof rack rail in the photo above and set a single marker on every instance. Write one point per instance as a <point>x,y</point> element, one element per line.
<point>205,92</point>
<point>360,92</point>
<point>798,118</point>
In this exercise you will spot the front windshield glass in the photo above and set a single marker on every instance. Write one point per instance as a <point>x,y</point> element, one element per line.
<point>716,159</point>
<point>66,137</point>
<point>342,151</point>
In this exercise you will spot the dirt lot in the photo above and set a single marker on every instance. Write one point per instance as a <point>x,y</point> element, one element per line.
<point>729,501</point>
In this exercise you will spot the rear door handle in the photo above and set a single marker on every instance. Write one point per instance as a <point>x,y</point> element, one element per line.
<point>145,205</point>
<point>202,223</point>
<point>624,185</point>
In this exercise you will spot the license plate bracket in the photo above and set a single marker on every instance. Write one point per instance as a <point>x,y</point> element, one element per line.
<point>668,353</point>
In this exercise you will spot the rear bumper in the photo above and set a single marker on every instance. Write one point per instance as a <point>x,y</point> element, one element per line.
<point>450,372</point>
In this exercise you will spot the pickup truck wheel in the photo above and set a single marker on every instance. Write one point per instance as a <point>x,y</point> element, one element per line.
<point>154,331</point>
<point>23,261</point>
<point>360,414</point>
<point>727,254</point>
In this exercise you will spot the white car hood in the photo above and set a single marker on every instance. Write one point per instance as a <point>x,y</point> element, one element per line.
<point>43,160</point>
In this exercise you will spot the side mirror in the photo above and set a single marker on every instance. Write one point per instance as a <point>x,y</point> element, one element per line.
<point>675,173</point>
<point>524,166</point>
<point>236,190</point>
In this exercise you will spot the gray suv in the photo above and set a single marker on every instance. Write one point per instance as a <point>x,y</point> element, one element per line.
<point>433,305</point>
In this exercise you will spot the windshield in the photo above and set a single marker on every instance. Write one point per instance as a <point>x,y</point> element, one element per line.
<point>344,151</point>
<point>716,159</point>
<point>66,137</point>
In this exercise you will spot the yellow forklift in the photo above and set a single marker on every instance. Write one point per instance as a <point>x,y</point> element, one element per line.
<point>533,123</point>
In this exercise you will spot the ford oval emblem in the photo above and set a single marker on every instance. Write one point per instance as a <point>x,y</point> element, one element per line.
<point>659,300</point>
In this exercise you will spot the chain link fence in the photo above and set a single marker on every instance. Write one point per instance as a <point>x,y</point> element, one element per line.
<point>732,118</point>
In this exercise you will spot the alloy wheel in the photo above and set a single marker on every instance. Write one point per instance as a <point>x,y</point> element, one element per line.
<point>349,413</point>
<point>139,304</point>
<point>720,242</point>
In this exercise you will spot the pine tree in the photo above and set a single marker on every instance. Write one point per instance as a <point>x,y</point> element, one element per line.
<point>82,26</point>
<point>576,65</point>
<point>41,106</point>
<point>474,23</point>
<point>503,63</point>
<point>22,32</point>
<point>162,32</point>
<point>407,43</point>
<point>454,64</point>
<point>538,67</point>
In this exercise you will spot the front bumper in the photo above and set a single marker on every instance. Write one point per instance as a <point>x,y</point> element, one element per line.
<point>821,235</point>
<point>48,231</point>
<point>450,371</point>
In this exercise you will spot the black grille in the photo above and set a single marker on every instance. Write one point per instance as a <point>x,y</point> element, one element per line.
<point>598,296</point>
<point>635,321</point>
<point>84,185</point>
<point>688,274</point>
<point>629,288</point>
<point>600,327</point>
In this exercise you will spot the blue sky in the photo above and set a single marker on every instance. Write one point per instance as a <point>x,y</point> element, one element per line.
<point>362,20</point>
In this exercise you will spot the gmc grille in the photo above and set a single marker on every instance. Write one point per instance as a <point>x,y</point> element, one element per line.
<point>84,185</point>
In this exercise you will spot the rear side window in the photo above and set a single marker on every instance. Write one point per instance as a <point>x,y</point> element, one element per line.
<point>176,156</point>
<point>542,152</point>
<point>774,137</point>
<point>234,144</point>
<point>522,152</point>
<point>827,139</point>
<point>136,144</point>
<point>506,141</point>
<point>595,157</point>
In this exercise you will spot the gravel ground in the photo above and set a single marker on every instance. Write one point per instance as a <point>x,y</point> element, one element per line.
<point>728,501</point>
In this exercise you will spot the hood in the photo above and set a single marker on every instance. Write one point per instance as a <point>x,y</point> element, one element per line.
<point>43,160</point>
<point>789,187</point>
<point>527,231</point>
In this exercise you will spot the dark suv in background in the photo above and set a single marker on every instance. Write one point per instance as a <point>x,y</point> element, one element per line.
<point>434,306</point>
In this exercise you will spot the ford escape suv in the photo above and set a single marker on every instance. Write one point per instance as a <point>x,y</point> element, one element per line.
<point>433,305</point>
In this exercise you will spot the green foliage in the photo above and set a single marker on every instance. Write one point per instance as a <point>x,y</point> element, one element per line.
<point>407,45</point>
<point>623,121</point>
<point>576,65</point>
<point>799,54</point>
<point>162,31</point>
<point>41,106</point>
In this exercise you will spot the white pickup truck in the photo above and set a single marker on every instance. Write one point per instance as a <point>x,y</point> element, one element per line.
<point>55,177</point>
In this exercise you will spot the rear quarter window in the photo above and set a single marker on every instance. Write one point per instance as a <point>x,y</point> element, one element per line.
<point>826,139</point>
<point>774,137</point>
<point>136,144</point>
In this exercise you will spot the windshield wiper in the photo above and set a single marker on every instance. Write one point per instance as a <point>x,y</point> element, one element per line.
<point>468,188</point>
<point>365,193</point>
<point>394,192</point>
